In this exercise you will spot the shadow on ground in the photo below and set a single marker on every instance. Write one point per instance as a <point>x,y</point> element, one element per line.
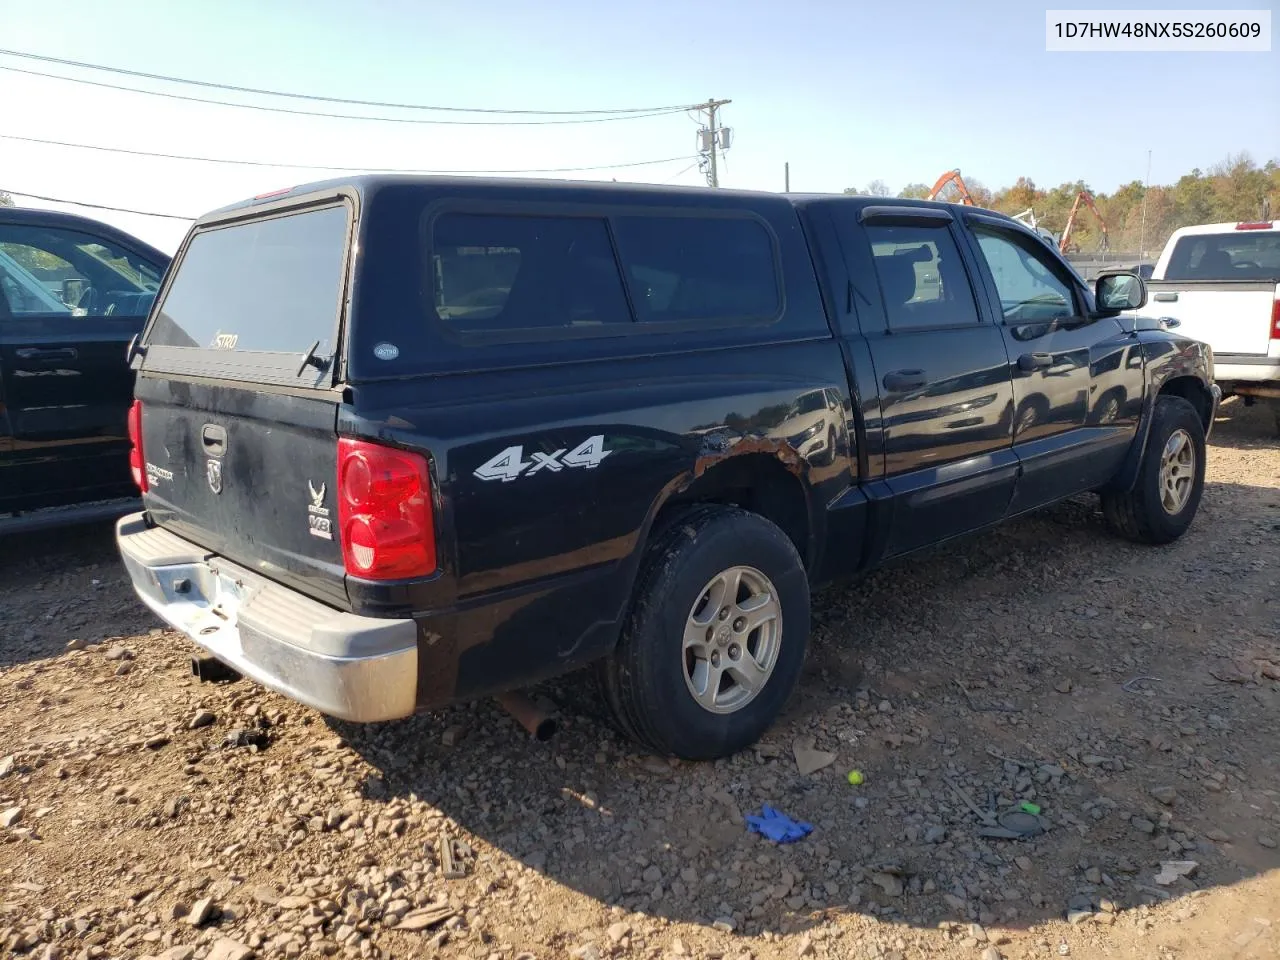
<point>60,585</point>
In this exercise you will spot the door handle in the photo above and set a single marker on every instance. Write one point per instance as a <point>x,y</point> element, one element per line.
<point>1035,361</point>
<point>903,380</point>
<point>47,353</point>
<point>1166,297</point>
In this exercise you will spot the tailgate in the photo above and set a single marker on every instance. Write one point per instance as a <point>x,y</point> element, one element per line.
<point>1233,317</point>
<point>238,395</point>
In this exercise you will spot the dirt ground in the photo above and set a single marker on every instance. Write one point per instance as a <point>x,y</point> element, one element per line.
<point>1132,693</point>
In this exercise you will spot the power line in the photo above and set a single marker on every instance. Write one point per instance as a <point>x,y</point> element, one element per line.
<point>94,206</point>
<point>306,166</point>
<point>340,116</point>
<point>322,99</point>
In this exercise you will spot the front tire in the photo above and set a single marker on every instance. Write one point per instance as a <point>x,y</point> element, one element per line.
<point>716,638</point>
<point>1166,496</point>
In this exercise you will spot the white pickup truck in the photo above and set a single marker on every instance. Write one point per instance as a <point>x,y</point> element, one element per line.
<point>1221,282</point>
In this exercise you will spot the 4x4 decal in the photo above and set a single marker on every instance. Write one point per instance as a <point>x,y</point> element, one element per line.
<point>511,464</point>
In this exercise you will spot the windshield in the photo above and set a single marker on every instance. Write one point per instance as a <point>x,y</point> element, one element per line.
<point>1241,255</point>
<point>267,286</point>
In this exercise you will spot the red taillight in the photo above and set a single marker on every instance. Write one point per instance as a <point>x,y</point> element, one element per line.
<point>385,518</point>
<point>1264,225</point>
<point>1275,318</point>
<point>137,465</point>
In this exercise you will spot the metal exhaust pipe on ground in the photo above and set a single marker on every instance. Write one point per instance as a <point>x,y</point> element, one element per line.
<point>540,724</point>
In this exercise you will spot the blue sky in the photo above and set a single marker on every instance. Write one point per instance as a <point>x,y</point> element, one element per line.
<point>846,92</point>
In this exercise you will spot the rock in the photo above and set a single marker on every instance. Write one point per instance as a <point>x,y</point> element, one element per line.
<point>809,760</point>
<point>10,817</point>
<point>1143,825</point>
<point>978,934</point>
<point>73,645</point>
<point>156,742</point>
<point>651,875</point>
<point>724,925</point>
<point>1024,863</point>
<point>1165,795</point>
<point>125,668</point>
<point>6,766</point>
<point>426,918</point>
<point>588,951</point>
<point>890,884</point>
<point>266,896</point>
<point>1107,906</point>
<point>805,948</point>
<point>242,737</point>
<point>201,911</point>
<point>619,931</point>
<point>227,949</point>
<point>1077,917</point>
<point>119,653</point>
<point>1063,685</point>
<point>954,902</point>
<point>991,953</point>
<point>294,903</point>
<point>182,952</point>
<point>935,834</point>
<point>453,736</point>
<point>1172,870</point>
<point>1218,836</point>
<point>1093,875</point>
<point>203,718</point>
<point>1266,841</point>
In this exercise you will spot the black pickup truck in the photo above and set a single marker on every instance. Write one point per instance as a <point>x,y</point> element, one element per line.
<point>408,441</point>
<point>73,293</point>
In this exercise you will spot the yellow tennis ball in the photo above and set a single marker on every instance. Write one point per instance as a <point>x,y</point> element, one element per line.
<point>855,777</point>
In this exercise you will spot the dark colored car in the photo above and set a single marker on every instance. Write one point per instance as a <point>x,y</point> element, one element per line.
<point>73,293</point>
<point>408,441</point>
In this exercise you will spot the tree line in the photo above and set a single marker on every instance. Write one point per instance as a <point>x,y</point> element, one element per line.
<point>1234,190</point>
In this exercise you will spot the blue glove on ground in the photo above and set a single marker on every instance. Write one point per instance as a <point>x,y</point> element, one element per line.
<point>778,827</point>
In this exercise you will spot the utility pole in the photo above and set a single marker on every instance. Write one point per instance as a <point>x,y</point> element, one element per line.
<point>711,139</point>
<point>786,177</point>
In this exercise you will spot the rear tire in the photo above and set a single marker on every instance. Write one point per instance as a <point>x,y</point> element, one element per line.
<point>716,637</point>
<point>1166,495</point>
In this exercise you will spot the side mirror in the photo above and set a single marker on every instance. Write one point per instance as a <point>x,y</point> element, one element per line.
<point>1117,292</point>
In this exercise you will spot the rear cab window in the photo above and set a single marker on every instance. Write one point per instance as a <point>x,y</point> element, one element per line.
<point>256,300</point>
<point>1242,255</point>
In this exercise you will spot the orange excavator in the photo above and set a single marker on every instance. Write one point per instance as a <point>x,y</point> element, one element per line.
<point>1064,245</point>
<point>952,176</point>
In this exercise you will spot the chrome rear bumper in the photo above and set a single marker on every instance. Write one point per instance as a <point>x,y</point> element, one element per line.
<point>357,668</point>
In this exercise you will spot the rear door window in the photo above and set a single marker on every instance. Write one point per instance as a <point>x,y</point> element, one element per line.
<point>922,278</point>
<point>699,268</point>
<point>509,272</point>
<point>248,301</point>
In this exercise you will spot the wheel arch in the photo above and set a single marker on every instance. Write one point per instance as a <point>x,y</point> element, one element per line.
<point>763,482</point>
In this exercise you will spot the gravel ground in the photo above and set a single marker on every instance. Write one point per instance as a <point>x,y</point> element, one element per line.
<point>1132,694</point>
